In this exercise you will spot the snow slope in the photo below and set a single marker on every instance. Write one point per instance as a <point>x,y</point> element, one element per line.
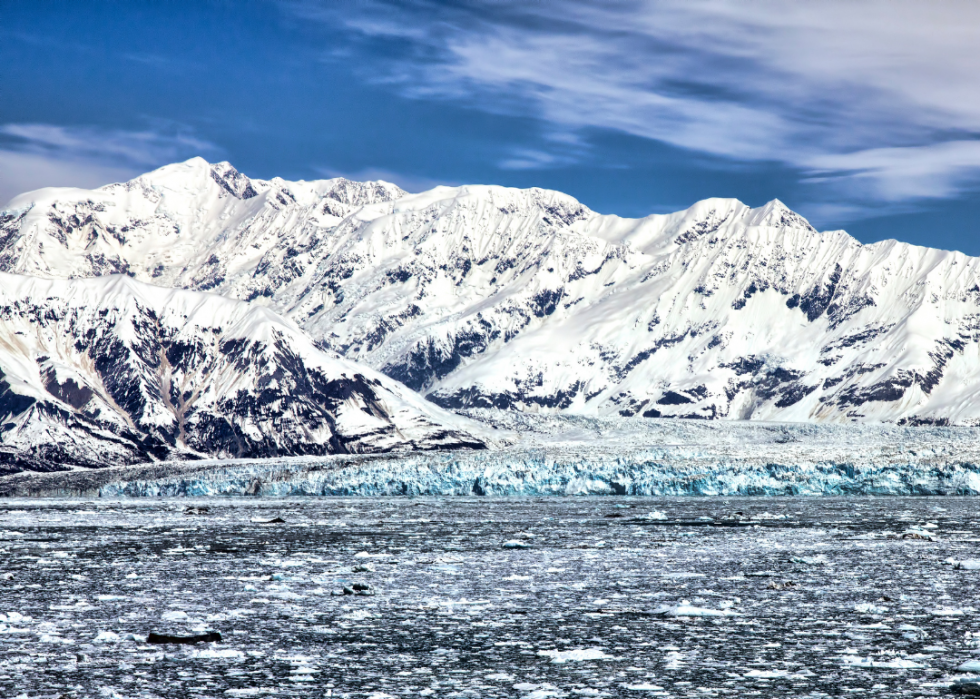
<point>111,370</point>
<point>482,296</point>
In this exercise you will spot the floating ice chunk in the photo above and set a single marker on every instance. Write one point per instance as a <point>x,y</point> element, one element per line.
<point>175,615</point>
<point>216,654</point>
<point>685,608</point>
<point>869,608</point>
<point>250,691</point>
<point>516,544</point>
<point>894,663</point>
<point>948,611</point>
<point>358,615</point>
<point>644,687</point>
<point>811,560</point>
<point>969,666</point>
<point>656,515</point>
<point>578,654</point>
<point>503,676</point>
<point>107,637</point>
<point>766,674</point>
<point>972,564</point>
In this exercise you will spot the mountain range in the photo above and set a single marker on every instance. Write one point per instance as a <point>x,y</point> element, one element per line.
<point>491,297</point>
<point>114,371</point>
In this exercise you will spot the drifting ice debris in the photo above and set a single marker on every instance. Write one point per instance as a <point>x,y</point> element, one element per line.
<point>362,589</point>
<point>810,560</point>
<point>969,666</point>
<point>196,510</point>
<point>788,585</point>
<point>516,544</point>
<point>210,637</point>
<point>967,565</point>
<point>896,663</point>
<point>275,520</point>
<point>579,654</point>
<point>363,568</point>
<point>918,534</point>
<point>869,608</point>
<point>686,609</point>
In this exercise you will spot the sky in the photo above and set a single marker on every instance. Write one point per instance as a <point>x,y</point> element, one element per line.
<point>859,115</point>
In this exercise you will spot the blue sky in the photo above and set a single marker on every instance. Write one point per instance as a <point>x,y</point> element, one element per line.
<point>863,116</point>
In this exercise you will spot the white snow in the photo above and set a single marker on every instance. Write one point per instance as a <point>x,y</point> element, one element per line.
<point>485,294</point>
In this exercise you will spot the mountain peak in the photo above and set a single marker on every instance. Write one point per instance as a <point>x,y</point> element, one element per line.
<point>775,214</point>
<point>232,181</point>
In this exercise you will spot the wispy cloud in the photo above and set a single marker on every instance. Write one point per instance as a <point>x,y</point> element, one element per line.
<point>872,101</point>
<point>46,155</point>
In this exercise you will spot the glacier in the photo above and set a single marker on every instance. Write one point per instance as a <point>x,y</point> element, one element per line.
<point>568,455</point>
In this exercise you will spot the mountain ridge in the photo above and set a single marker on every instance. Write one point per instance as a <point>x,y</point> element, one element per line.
<point>487,296</point>
<point>114,371</point>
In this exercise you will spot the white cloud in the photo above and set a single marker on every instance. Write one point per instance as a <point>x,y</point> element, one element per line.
<point>878,94</point>
<point>44,155</point>
<point>938,171</point>
<point>24,172</point>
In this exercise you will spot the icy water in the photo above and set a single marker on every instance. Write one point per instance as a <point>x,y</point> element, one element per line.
<point>557,597</point>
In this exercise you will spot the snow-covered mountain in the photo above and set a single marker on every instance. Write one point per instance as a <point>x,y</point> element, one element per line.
<point>487,296</point>
<point>114,371</point>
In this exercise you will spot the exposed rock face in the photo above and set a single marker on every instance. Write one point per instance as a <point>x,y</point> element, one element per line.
<point>113,371</point>
<point>525,299</point>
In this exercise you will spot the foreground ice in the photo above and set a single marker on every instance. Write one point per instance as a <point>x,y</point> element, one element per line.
<point>581,613</point>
